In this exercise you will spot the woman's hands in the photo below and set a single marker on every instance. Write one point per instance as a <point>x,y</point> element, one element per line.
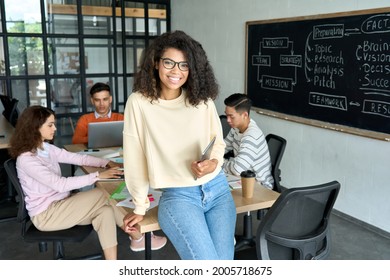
<point>129,222</point>
<point>112,164</point>
<point>201,168</point>
<point>111,173</point>
<point>114,171</point>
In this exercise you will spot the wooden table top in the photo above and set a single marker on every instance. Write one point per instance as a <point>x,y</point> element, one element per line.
<point>262,198</point>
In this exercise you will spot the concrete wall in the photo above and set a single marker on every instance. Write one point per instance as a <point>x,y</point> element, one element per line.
<point>313,155</point>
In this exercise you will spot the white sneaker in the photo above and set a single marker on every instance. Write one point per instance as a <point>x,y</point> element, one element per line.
<point>157,243</point>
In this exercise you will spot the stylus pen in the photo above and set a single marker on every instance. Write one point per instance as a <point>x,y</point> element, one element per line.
<point>93,150</point>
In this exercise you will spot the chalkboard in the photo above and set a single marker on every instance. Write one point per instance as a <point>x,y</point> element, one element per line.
<point>325,69</point>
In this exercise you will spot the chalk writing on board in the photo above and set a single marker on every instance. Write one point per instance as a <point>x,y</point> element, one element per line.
<point>323,66</point>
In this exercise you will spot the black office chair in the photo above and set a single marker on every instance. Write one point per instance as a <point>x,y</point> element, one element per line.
<point>225,126</point>
<point>225,129</point>
<point>8,204</point>
<point>296,227</point>
<point>10,112</point>
<point>31,234</point>
<point>276,146</point>
<point>8,209</point>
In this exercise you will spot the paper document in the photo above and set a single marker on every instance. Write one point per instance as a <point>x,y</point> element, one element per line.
<point>232,178</point>
<point>122,193</point>
<point>234,181</point>
<point>235,185</point>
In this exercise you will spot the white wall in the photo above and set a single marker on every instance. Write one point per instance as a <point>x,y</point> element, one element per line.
<point>313,155</point>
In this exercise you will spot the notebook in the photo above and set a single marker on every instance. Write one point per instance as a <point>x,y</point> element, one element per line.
<point>105,134</point>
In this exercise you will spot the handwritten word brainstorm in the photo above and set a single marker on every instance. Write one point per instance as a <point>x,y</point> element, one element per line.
<point>338,64</point>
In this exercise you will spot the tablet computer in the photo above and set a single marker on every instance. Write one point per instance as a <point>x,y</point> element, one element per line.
<point>207,152</point>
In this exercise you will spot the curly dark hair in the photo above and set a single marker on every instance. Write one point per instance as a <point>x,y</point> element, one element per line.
<point>201,83</point>
<point>26,136</point>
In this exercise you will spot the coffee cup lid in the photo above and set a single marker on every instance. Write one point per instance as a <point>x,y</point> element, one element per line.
<point>248,174</point>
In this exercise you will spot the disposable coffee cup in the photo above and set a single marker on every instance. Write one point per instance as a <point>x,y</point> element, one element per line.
<point>248,179</point>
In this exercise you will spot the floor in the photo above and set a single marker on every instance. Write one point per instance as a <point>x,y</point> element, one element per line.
<point>350,241</point>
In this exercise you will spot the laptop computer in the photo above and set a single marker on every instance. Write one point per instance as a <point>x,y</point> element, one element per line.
<point>105,134</point>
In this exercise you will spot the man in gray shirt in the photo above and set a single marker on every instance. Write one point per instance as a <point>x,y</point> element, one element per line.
<point>247,142</point>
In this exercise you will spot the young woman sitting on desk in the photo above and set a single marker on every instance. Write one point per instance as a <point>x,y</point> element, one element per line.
<point>49,201</point>
<point>169,119</point>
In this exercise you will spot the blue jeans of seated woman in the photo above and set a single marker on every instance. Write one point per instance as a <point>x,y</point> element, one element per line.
<point>200,221</point>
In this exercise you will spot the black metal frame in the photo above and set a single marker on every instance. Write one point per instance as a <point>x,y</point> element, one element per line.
<point>82,75</point>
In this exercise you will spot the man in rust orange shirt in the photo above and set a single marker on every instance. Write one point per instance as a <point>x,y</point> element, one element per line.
<point>101,99</point>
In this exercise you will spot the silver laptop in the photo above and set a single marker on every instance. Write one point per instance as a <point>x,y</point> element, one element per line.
<point>105,134</point>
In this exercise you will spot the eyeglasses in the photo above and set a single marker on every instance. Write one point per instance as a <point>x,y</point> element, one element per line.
<point>170,64</point>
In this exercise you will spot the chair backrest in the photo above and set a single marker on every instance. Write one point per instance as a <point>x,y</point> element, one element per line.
<point>62,93</point>
<point>225,126</point>
<point>276,147</point>
<point>23,217</point>
<point>10,112</point>
<point>297,224</point>
<point>31,234</point>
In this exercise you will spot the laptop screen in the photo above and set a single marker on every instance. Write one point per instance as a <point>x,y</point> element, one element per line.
<point>105,134</point>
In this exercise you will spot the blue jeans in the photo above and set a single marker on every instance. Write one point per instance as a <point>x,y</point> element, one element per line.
<point>200,221</point>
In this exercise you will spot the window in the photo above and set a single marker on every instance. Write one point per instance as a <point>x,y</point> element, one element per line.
<point>53,51</point>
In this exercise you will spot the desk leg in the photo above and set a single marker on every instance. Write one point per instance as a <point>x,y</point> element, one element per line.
<point>148,245</point>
